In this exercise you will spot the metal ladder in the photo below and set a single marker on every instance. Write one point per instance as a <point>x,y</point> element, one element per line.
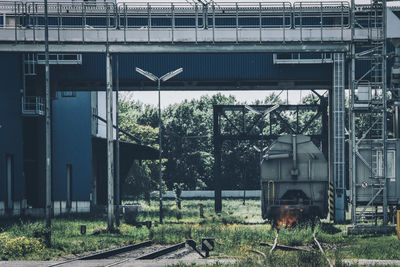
<point>376,55</point>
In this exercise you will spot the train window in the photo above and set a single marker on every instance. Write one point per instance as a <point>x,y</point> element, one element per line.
<point>391,164</point>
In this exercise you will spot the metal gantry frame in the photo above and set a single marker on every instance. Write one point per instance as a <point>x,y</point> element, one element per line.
<point>374,109</point>
<point>238,126</point>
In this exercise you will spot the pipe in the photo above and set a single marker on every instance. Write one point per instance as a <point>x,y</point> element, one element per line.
<point>294,170</point>
<point>396,118</point>
<point>276,156</point>
<point>396,96</point>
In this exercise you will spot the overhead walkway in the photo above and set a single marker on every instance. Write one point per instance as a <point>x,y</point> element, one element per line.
<point>148,27</point>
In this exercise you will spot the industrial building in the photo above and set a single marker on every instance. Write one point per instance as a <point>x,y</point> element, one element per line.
<point>336,46</point>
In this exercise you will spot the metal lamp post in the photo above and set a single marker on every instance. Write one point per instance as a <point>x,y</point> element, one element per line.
<point>163,78</point>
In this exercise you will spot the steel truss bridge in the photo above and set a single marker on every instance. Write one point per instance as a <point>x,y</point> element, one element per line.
<point>350,32</point>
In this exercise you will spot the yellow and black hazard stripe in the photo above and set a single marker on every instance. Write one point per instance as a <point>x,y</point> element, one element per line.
<point>331,201</point>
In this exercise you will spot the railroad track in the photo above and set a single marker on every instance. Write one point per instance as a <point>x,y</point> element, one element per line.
<point>141,251</point>
<point>276,245</point>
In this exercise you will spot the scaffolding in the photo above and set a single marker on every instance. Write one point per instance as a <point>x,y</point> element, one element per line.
<point>368,103</point>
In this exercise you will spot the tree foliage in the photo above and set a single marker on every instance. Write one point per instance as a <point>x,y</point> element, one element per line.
<point>188,143</point>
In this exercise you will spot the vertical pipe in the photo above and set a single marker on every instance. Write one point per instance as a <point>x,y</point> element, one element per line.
<point>213,26</point>
<point>396,119</point>
<point>260,21</point>
<point>148,22</point>
<point>237,23</point>
<point>117,20</point>
<point>384,122</point>
<point>342,21</point>
<point>110,146</point>
<point>160,149</point>
<point>301,23</point>
<point>217,162</point>
<point>284,23</point>
<point>126,23</point>
<point>15,22</point>
<point>117,165</point>
<point>107,22</point>
<point>83,22</point>
<point>172,22</point>
<point>322,24</point>
<point>353,135</point>
<point>196,22</point>
<point>294,147</point>
<point>34,23</point>
<point>58,25</point>
<point>61,18</point>
<point>48,118</point>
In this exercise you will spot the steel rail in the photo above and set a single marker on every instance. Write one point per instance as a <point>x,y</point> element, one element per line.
<point>107,253</point>
<point>161,252</point>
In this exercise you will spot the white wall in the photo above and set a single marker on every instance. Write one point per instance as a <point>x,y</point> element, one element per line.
<point>101,111</point>
<point>210,194</point>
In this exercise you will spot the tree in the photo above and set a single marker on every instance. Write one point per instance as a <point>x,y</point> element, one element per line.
<point>142,177</point>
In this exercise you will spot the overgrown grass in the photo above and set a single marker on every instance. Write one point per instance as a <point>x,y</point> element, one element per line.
<point>238,232</point>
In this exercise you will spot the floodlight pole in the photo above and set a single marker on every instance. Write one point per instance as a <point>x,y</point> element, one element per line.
<point>163,78</point>
<point>160,148</point>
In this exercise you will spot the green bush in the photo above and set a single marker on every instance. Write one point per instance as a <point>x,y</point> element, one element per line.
<point>19,246</point>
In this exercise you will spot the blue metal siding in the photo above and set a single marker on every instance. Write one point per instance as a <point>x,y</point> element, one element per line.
<point>202,67</point>
<point>72,145</point>
<point>198,67</point>
<point>11,123</point>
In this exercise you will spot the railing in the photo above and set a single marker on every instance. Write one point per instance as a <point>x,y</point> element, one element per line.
<point>320,17</point>
<point>32,105</point>
<point>179,15</point>
<point>60,59</point>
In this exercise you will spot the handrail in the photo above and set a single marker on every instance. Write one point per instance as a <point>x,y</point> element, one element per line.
<point>151,16</point>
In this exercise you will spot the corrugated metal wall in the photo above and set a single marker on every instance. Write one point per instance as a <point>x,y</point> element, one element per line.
<point>198,67</point>
<point>11,124</point>
<point>201,67</point>
<point>72,145</point>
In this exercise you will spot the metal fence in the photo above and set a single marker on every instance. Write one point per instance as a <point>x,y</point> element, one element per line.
<point>179,15</point>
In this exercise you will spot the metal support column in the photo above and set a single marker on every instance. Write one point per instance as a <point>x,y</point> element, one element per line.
<point>48,123</point>
<point>352,137</point>
<point>117,166</point>
<point>217,164</point>
<point>382,37</point>
<point>338,136</point>
<point>110,145</point>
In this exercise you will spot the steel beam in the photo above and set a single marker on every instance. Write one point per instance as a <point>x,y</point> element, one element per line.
<point>110,143</point>
<point>182,85</point>
<point>117,150</point>
<point>275,47</point>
